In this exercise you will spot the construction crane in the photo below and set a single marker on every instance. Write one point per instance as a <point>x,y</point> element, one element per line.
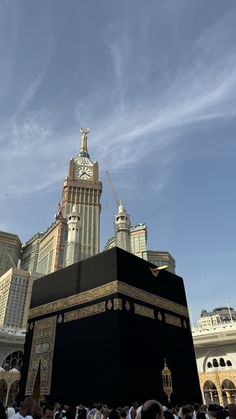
<point>114,193</point>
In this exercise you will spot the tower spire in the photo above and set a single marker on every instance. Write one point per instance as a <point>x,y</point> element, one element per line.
<point>84,147</point>
<point>73,243</point>
<point>121,206</point>
<point>122,228</point>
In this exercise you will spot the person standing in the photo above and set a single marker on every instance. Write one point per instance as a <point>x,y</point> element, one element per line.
<point>152,409</point>
<point>48,412</point>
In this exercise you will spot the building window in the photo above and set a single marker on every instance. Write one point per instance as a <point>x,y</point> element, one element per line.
<point>222,362</point>
<point>14,360</point>
<point>215,363</point>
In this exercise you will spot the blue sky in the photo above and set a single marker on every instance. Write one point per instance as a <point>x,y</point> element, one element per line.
<point>156,84</point>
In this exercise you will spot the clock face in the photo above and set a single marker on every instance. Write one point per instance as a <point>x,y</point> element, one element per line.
<point>84,173</point>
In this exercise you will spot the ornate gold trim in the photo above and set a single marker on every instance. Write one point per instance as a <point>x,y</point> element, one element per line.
<point>41,355</point>
<point>117,304</point>
<point>109,305</point>
<point>127,306</point>
<point>173,320</point>
<point>85,312</point>
<point>107,290</point>
<point>152,299</point>
<point>144,311</point>
<point>83,297</point>
<point>159,316</point>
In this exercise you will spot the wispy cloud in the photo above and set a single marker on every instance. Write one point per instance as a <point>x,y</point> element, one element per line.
<point>3,227</point>
<point>119,49</point>
<point>152,126</point>
<point>201,90</point>
<point>29,93</point>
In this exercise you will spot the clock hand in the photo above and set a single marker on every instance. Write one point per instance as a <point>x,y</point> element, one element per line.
<point>84,173</point>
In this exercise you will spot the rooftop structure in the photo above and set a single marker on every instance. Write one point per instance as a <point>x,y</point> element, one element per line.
<point>217,317</point>
<point>214,343</point>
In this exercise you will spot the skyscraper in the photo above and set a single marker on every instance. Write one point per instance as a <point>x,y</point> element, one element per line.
<point>83,187</point>
<point>15,294</point>
<point>138,235</point>
<point>30,253</point>
<point>160,258</point>
<point>10,246</point>
<point>52,247</point>
<point>46,252</point>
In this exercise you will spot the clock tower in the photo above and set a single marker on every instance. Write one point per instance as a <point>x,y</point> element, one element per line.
<point>83,188</point>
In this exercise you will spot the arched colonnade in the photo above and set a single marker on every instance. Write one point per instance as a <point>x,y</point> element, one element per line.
<point>10,377</point>
<point>218,387</point>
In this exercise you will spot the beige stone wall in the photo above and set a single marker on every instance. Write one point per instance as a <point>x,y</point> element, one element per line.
<point>221,381</point>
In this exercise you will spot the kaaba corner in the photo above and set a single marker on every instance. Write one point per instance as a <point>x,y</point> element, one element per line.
<point>110,329</point>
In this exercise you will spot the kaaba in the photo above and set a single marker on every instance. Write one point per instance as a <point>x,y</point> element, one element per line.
<point>113,329</point>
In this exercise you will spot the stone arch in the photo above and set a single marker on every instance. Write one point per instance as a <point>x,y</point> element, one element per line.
<point>210,354</point>
<point>6,351</point>
<point>220,352</point>
<point>13,360</point>
<point>228,384</point>
<point>210,392</point>
<point>221,356</point>
<point>228,391</point>
<point>3,390</point>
